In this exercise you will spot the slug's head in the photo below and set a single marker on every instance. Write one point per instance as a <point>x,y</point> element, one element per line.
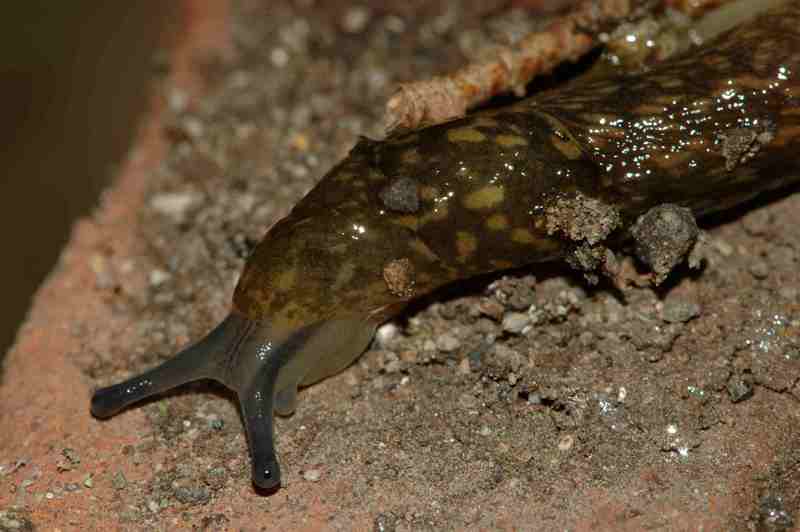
<point>263,364</point>
<point>306,306</point>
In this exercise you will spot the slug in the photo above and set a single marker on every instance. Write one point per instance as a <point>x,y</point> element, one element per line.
<point>500,188</point>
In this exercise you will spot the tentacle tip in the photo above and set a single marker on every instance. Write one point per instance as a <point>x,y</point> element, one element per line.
<point>266,474</point>
<point>104,403</point>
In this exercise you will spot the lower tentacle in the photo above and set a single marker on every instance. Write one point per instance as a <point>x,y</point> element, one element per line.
<point>257,404</point>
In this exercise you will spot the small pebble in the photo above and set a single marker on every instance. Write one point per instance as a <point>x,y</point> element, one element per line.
<point>759,269</point>
<point>723,247</point>
<point>175,204</point>
<point>395,24</point>
<point>119,482</point>
<point>191,494</point>
<point>10,520</point>
<point>789,292</point>
<point>515,322</point>
<point>678,310</point>
<point>773,515</point>
<point>279,57</point>
<point>71,455</point>
<point>409,356</point>
<point>312,475</point>
<point>355,19</point>
<point>566,442</point>
<point>386,333</point>
<point>447,343</point>
<point>739,389</point>
<point>391,362</point>
<point>491,308</point>
<point>385,523</point>
<point>468,401</point>
<point>158,277</point>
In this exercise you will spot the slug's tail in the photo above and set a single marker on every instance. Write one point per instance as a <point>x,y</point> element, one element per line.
<point>262,364</point>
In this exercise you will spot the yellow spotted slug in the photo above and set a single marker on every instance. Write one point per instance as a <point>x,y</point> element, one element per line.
<point>500,188</point>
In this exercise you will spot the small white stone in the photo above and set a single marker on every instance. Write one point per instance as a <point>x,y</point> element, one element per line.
<point>279,57</point>
<point>175,204</point>
<point>312,475</point>
<point>158,277</point>
<point>447,343</point>
<point>515,322</point>
<point>386,333</point>
<point>355,19</point>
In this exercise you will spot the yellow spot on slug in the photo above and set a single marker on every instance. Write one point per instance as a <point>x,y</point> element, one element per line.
<point>501,264</point>
<point>419,247</point>
<point>343,177</point>
<point>485,198</point>
<point>521,235</point>
<point>648,109</point>
<point>466,244</point>
<point>497,222</point>
<point>424,278</point>
<point>569,149</point>
<point>561,138</point>
<point>285,280</point>
<point>751,82</point>
<point>465,134</point>
<point>671,83</point>
<point>412,222</point>
<point>509,141</point>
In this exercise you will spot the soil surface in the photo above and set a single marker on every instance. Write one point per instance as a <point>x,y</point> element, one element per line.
<point>528,401</point>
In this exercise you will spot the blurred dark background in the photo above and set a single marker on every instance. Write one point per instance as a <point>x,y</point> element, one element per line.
<point>74,80</point>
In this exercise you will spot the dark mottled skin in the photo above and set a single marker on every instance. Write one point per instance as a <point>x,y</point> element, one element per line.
<point>496,189</point>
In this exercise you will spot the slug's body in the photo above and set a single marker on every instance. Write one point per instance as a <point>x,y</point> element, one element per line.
<point>494,190</point>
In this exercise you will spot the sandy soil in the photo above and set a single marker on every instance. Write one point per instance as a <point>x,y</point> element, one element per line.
<point>528,401</point>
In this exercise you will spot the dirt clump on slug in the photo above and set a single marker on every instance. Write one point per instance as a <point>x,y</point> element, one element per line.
<point>663,237</point>
<point>739,145</point>
<point>522,400</point>
<point>582,218</point>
